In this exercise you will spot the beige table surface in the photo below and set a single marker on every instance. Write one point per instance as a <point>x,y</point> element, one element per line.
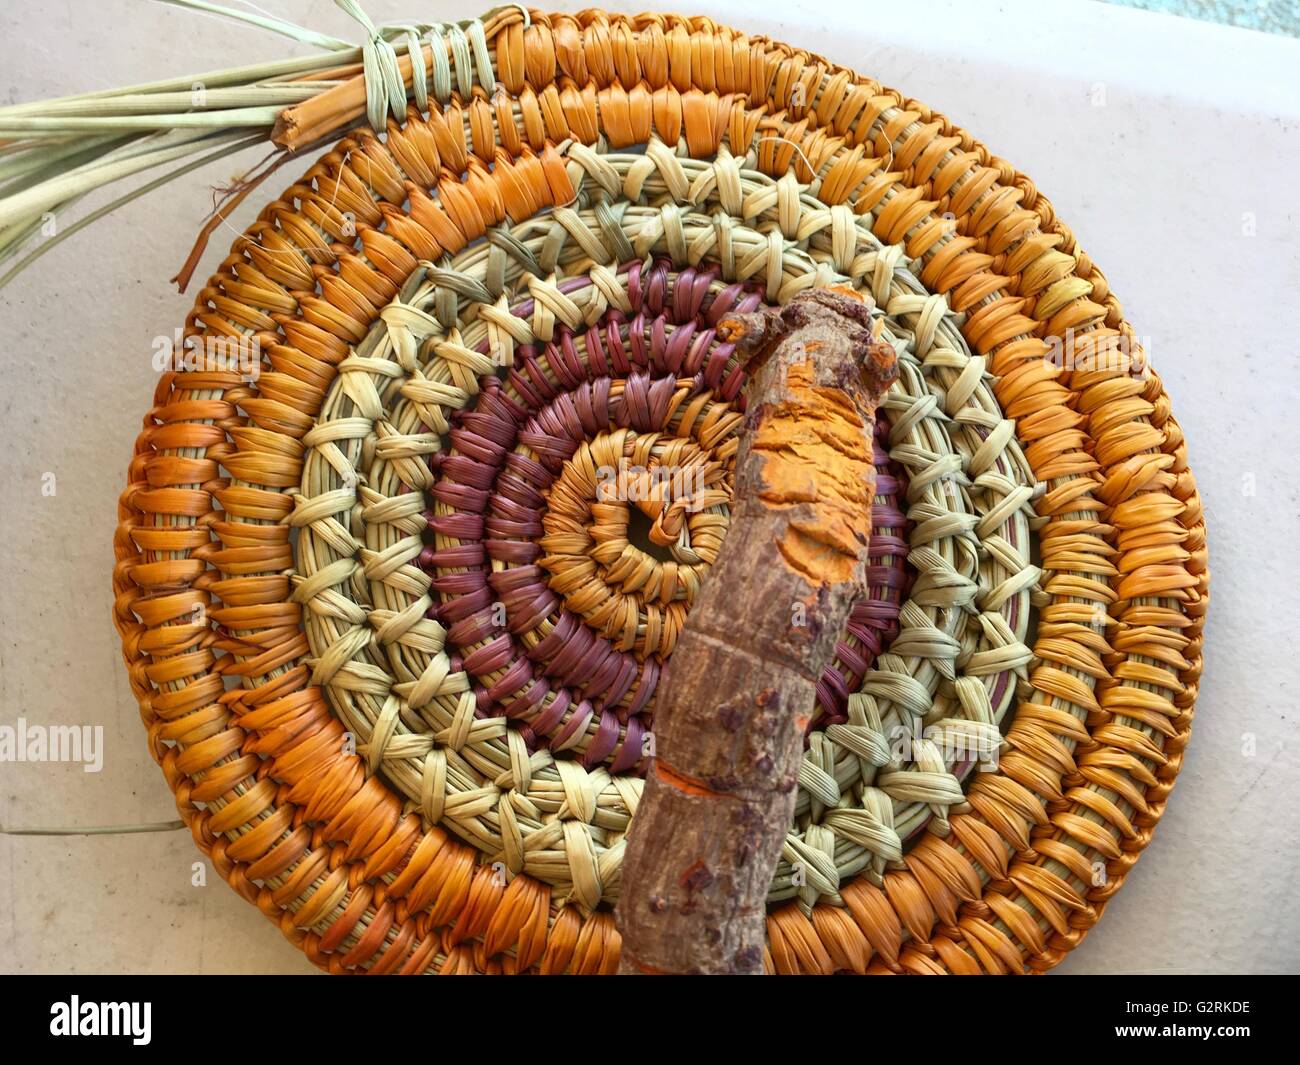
<point>1197,129</point>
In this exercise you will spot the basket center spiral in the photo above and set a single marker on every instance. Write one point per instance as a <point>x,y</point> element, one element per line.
<point>623,589</point>
<point>560,619</point>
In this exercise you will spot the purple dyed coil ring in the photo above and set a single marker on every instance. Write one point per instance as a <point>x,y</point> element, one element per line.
<point>489,498</point>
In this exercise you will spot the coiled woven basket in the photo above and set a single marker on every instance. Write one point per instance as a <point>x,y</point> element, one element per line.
<point>396,656</point>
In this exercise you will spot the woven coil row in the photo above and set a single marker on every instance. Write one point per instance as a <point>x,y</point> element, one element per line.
<point>311,641</point>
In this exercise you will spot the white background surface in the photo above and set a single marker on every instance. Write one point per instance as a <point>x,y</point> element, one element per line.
<point>1198,129</point>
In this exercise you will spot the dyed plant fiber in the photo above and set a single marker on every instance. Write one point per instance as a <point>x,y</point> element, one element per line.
<point>396,641</point>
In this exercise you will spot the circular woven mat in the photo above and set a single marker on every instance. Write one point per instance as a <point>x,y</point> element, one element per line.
<point>396,606</point>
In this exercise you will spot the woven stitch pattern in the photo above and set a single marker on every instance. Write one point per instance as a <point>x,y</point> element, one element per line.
<point>521,811</point>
